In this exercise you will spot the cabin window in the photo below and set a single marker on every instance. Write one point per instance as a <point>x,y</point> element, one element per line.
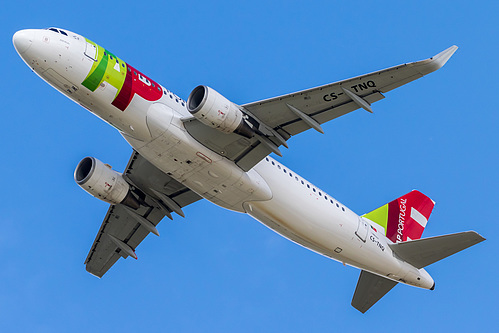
<point>308,185</point>
<point>302,182</point>
<point>325,197</point>
<point>337,205</point>
<point>320,194</point>
<point>279,167</point>
<point>331,201</point>
<point>273,163</point>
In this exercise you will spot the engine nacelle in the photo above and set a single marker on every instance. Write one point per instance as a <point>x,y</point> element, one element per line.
<point>104,183</point>
<point>214,110</point>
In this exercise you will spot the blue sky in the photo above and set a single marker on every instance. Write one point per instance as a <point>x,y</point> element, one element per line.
<point>217,270</point>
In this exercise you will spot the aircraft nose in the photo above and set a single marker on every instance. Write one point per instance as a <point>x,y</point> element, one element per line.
<point>23,39</point>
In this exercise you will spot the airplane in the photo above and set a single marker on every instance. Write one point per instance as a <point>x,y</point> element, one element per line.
<point>209,147</point>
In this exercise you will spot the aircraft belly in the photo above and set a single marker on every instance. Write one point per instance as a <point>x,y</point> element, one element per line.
<point>213,177</point>
<point>315,223</point>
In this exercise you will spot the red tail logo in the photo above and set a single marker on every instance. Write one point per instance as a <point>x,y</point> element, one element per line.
<point>407,216</point>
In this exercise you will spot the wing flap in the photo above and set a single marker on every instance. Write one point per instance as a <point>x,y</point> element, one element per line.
<point>370,289</point>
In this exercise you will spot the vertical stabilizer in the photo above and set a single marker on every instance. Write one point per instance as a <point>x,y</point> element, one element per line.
<point>404,218</point>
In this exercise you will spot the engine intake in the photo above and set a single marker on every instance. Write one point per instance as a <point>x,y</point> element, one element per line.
<point>214,110</point>
<point>104,183</point>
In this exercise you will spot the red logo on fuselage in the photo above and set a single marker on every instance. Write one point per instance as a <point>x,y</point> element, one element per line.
<point>136,83</point>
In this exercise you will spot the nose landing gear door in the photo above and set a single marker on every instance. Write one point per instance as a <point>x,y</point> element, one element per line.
<point>362,230</point>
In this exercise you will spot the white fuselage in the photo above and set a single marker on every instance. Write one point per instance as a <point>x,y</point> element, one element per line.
<point>269,192</point>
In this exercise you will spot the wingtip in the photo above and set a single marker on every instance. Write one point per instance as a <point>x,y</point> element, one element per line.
<point>359,308</point>
<point>437,61</point>
<point>445,55</point>
<point>94,273</point>
<point>478,238</point>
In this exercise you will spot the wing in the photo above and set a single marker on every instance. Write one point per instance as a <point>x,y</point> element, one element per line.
<point>281,117</point>
<point>124,228</point>
<point>370,289</point>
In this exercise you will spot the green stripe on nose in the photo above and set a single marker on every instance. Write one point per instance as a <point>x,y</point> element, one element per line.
<point>95,78</point>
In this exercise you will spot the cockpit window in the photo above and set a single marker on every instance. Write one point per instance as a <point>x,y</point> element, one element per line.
<point>62,32</point>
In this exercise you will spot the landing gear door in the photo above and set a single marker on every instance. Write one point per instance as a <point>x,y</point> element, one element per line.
<point>91,51</point>
<point>362,229</point>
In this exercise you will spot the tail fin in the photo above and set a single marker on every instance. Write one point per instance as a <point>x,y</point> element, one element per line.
<point>404,218</point>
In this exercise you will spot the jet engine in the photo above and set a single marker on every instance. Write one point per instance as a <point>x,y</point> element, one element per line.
<point>214,110</point>
<point>104,183</point>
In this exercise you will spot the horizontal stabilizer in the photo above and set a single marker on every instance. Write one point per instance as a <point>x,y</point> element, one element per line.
<point>370,289</point>
<point>423,252</point>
